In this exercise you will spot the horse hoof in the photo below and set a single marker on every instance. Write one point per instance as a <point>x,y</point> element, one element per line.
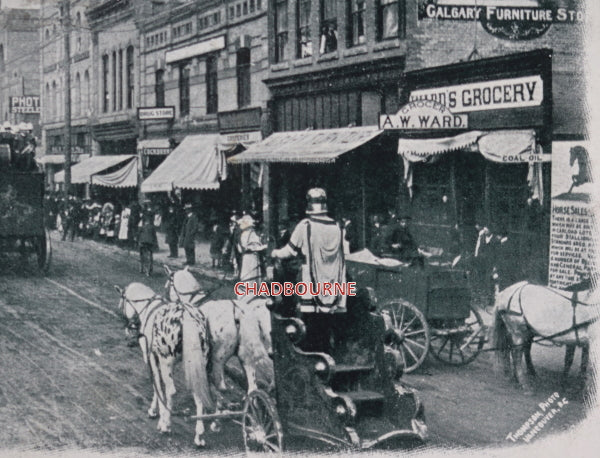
<point>200,443</point>
<point>152,413</point>
<point>215,426</point>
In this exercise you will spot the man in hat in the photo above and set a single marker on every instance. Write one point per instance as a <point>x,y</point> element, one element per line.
<point>399,242</point>
<point>318,239</point>
<point>187,239</point>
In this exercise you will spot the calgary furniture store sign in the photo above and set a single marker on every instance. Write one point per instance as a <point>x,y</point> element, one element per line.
<point>509,19</point>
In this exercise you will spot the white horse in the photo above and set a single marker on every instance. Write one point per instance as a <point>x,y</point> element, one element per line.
<point>236,328</point>
<point>168,329</point>
<point>524,312</point>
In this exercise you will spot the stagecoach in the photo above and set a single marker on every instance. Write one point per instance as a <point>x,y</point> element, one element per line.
<point>22,227</point>
<point>428,309</point>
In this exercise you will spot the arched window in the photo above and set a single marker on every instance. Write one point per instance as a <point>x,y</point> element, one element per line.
<point>159,88</point>
<point>78,32</point>
<point>1,58</point>
<point>47,34</point>
<point>85,98</point>
<point>77,95</point>
<point>129,77</point>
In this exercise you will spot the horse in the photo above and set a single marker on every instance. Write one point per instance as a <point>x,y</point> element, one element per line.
<point>524,312</point>
<point>236,328</point>
<point>167,330</point>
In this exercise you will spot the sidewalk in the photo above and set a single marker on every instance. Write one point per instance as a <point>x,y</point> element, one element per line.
<point>203,264</point>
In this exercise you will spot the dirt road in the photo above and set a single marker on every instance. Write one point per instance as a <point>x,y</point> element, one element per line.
<point>68,380</point>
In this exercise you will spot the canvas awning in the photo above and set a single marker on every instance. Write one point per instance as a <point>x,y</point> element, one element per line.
<point>307,146</point>
<point>154,146</point>
<point>421,149</point>
<point>196,163</point>
<point>125,177</point>
<point>83,171</point>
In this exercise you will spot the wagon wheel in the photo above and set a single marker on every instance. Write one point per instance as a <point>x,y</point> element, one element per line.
<point>44,252</point>
<point>458,341</point>
<point>260,424</point>
<point>407,333</point>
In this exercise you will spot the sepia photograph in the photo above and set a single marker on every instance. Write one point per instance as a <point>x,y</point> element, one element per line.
<point>299,228</point>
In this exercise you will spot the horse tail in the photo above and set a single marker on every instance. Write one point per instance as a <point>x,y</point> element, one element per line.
<point>195,355</point>
<point>498,333</point>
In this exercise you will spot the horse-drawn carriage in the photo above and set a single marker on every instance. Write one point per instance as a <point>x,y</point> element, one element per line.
<point>22,227</point>
<point>428,309</point>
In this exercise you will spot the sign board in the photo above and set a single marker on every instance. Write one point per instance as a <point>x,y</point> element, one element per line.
<point>197,49</point>
<point>155,113</point>
<point>240,137</point>
<point>424,115</point>
<point>572,224</point>
<point>508,19</point>
<point>25,104</point>
<point>527,91</point>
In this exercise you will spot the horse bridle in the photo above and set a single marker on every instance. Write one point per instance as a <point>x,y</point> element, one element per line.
<point>132,323</point>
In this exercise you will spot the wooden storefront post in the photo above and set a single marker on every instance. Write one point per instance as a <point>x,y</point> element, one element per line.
<point>266,204</point>
<point>363,208</point>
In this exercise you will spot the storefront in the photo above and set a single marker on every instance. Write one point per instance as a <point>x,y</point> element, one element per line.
<point>487,164</point>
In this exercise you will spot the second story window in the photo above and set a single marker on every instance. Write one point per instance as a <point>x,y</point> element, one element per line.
<point>114,80</point>
<point>184,90</point>
<point>356,29</point>
<point>391,19</point>
<point>281,30</point>
<point>329,34</point>
<point>159,88</point>
<point>105,94</point>
<point>243,77</point>
<point>304,43</point>
<point>212,94</point>
<point>130,77</point>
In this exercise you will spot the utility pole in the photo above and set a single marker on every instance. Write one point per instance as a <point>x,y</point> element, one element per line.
<point>66,17</point>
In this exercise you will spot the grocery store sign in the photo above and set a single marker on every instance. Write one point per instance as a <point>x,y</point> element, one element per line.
<point>424,115</point>
<point>24,104</point>
<point>154,113</point>
<point>527,91</point>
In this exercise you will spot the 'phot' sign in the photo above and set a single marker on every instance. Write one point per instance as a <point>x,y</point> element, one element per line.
<point>24,104</point>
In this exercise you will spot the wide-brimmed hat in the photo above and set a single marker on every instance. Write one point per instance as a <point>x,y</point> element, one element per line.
<point>317,201</point>
<point>245,222</point>
<point>188,206</point>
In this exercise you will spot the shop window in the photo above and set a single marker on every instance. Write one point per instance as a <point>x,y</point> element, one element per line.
<point>105,93</point>
<point>184,89</point>
<point>329,34</point>
<point>212,95</point>
<point>391,19</point>
<point>130,77</point>
<point>304,43</point>
<point>243,77</point>
<point>159,87</point>
<point>281,29</point>
<point>356,26</point>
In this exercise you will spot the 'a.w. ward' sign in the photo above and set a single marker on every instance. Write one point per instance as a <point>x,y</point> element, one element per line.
<point>424,115</point>
<point>509,19</point>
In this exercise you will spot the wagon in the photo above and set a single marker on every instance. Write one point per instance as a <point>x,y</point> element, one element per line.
<point>22,228</point>
<point>428,309</point>
<point>345,397</point>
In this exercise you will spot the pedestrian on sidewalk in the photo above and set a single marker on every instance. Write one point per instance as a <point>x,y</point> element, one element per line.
<point>218,236</point>
<point>171,225</point>
<point>148,242</point>
<point>187,239</point>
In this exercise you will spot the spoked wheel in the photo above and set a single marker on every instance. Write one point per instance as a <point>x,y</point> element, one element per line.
<point>458,342</point>
<point>409,333</point>
<point>260,424</point>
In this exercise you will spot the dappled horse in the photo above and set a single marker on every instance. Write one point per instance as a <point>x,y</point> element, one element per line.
<point>167,329</point>
<point>524,312</point>
<point>237,328</point>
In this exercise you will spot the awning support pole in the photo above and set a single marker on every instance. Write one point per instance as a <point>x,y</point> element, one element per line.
<point>363,209</point>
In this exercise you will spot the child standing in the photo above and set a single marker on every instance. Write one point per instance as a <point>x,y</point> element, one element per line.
<point>147,242</point>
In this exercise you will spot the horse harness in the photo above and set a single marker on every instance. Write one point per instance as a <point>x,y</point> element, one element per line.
<point>574,300</point>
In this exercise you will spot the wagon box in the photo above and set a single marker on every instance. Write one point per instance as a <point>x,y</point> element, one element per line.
<point>21,204</point>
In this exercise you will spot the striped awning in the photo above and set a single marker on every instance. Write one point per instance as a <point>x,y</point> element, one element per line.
<point>307,146</point>
<point>83,171</point>
<point>125,177</point>
<point>196,163</point>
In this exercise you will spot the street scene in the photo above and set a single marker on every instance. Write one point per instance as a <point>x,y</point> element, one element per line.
<point>294,226</point>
